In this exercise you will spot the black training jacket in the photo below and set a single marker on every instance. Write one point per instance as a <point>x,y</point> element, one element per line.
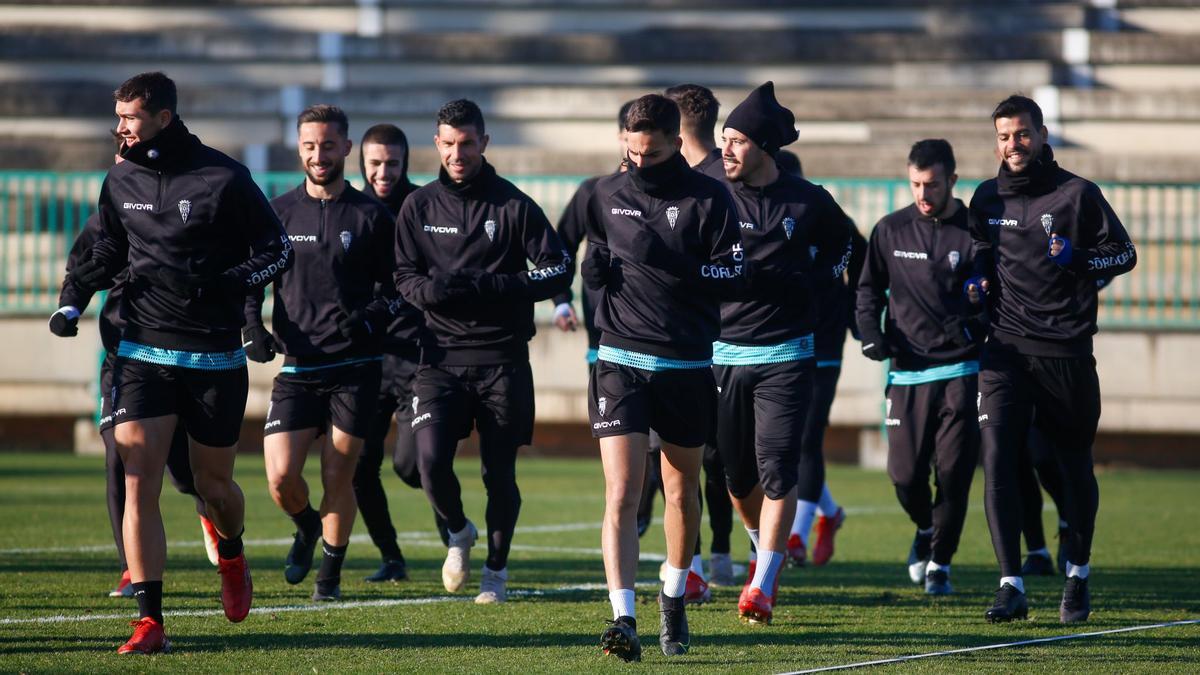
<point>179,205</point>
<point>915,270</point>
<point>666,309</point>
<point>406,332</point>
<point>572,231</point>
<point>1036,306</point>
<point>340,248</point>
<point>484,224</point>
<point>835,303</point>
<point>110,322</point>
<point>798,232</point>
<point>712,165</point>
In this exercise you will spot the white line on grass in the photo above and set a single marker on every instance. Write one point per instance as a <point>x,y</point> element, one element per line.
<point>363,539</point>
<point>1002,645</point>
<point>323,607</point>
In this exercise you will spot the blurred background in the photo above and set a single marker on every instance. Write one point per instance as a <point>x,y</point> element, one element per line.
<point>1119,81</point>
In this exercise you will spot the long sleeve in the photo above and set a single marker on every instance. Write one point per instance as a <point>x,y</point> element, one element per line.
<point>572,231</point>
<point>551,261</point>
<point>873,284</point>
<point>270,249</point>
<point>1111,252</point>
<point>411,276</point>
<point>71,294</point>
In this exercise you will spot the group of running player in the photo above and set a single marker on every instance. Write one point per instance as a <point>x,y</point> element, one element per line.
<point>718,288</point>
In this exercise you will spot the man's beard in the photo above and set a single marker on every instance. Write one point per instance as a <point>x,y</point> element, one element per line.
<point>335,174</point>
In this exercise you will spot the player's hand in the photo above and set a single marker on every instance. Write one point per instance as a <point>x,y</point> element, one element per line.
<point>355,326</point>
<point>90,275</point>
<point>876,349</point>
<point>564,317</point>
<point>596,269</point>
<point>65,322</point>
<point>1060,251</point>
<point>449,286</point>
<point>259,344</point>
<point>976,288</point>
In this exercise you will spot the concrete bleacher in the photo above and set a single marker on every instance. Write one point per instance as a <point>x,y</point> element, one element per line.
<point>866,77</point>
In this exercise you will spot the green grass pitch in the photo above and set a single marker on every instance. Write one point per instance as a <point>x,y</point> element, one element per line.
<point>57,562</point>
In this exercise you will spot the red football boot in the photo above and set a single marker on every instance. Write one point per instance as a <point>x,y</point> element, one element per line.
<point>148,638</point>
<point>756,607</point>
<point>796,552</point>
<point>696,592</point>
<point>827,526</point>
<point>236,587</point>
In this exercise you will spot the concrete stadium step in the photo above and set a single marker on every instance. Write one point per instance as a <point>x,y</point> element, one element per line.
<point>516,18</point>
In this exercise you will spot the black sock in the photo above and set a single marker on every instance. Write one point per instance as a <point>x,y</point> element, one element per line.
<point>308,522</point>
<point>332,557</point>
<point>228,549</point>
<point>149,599</point>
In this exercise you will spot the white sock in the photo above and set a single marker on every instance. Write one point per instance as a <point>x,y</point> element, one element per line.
<point>753,536</point>
<point>764,574</point>
<point>753,557</point>
<point>1080,571</point>
<point>622,603</point>
<point>675,582</point>
<point>698,566</point>
<point>934,567</point>
<point>802,524</point>
<point>1017,582</point>
<point>827,507</point>
<point>1043,551</point>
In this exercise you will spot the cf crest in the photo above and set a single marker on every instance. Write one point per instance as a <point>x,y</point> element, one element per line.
<point>185,209</point>
<point>489,227</point>
<point>415,401</point>
<point>672,215</point>
<point>1047,223</point>
<point>954,258</point>
<point>789,226</point>
<point>602,405</point>
<point>346,238</point>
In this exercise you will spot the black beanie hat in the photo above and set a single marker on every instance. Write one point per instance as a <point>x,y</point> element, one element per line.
<point>770,125</point>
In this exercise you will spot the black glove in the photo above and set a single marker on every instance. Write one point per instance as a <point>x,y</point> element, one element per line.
<point>487,284</point>
<point>65,322</point>
<point>445,287</point>
<point>90,275</point>
<point>200,286</point>
<point>355,327</point>
<point>259,344</point>
<point>596,269</point>
<point>876,348</point>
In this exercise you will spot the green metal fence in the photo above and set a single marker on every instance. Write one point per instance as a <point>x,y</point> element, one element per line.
<point>42,212</point>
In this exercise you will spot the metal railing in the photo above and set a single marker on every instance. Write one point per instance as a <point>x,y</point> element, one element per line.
<point>41,213</point>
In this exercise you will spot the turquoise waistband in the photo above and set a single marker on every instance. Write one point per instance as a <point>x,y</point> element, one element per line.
<point>175,357</point>
<point>949,371</point>
<point>830,363</point>
<point>796,349</point>
<point>340,364</point>
<point>649,362</point>
<point>592,355</point>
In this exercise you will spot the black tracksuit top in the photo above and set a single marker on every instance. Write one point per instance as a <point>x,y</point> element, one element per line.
<point>406,332</point>
<point>794,228</point>
<point>341,248</point>
<point>835,302</point>
<point>175,203</point>
<point>484,224</point>
<point>653,311</point>
<point>1036,306</point>
<point>110,323</point>
<point>915,269</point>
<point>572,231</point>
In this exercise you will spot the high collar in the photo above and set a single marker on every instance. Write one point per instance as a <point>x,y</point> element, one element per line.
<point>165,150</point>
<point>470,187</point>
<point>659,177</point>
<point>304,192</point>
<point>1038,179</point>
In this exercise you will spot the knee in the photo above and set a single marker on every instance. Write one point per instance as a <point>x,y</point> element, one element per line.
<point>779,483</point>
<point>623,499</point>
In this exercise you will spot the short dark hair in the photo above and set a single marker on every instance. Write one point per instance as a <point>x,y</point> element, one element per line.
<point>385,134</point>
<point>1015,105</point>
<point>623,115</point>
<point>926,153</point>
<point>788,162</point>
<point>653,112</point>
<point>461,113</point>
<point>697,107</point>
<point>323,112</point>
<point>156,91</point>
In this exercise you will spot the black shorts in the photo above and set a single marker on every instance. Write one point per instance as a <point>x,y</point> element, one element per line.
<point>761,413</point>
<point>1062,395</point>
<point>933,421</point>
<point>106,390</point>
<point>345,396</point>
<point>496,399</point>
<point>680,404</point>
<point>210,403</point>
